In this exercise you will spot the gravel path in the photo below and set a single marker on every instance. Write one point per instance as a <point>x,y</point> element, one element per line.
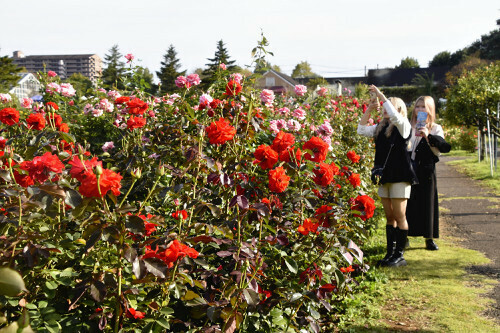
<point>474,214</point>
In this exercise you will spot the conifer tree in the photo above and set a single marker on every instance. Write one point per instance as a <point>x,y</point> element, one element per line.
<point>112,75</point>
<point>8,73</point>
<point>169,71</point>
<point>221,57</point>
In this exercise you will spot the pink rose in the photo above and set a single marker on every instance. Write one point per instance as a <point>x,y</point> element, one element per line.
<point>267,96</point>
<point>299,113</point>
<point>27,103</point>
<point>108,146</point>
<point>322,91</point>
<point>223,66</point>
<point>182,82</point>
<point>300,90</point>
<point>193,79</point>
<point>237,77</point>
<point>129,57</point>
<point>51,74</point>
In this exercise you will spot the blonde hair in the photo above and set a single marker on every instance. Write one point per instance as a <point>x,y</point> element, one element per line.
<point>400,106</point>
<point>430,107</point>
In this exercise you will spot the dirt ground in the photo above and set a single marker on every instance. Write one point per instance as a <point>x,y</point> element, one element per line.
<point>472,214</point>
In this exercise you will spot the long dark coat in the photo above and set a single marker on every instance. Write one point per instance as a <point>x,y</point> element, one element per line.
<point>422,211</point>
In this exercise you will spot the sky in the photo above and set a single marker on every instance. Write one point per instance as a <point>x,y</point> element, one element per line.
<point>337,38</point>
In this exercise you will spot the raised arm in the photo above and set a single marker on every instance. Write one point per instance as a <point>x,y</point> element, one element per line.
<point>400,121</point>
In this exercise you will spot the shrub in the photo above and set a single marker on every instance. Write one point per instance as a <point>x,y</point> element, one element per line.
<point>178,224</point>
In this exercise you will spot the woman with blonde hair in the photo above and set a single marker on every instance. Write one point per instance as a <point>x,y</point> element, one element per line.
<point>391,156</point>
<point>427,143</point>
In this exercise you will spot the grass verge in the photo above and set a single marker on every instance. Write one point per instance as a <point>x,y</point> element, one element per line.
<point>480,171</point>
<point>434,293</point>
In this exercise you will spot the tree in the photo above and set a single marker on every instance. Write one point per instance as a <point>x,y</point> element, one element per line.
<point>313,83</point>
<point>221,57</point>
<point>303,70</point>
<point>8,73</point>
<point>425,84</point>
<point>80,82</point>
<point>143,79</point>
<point>473,93</point>
<point>441,59</point>
<point>408,62</point>
<point>263,67</point>
<point>112,75</point>
<point>169,71</point>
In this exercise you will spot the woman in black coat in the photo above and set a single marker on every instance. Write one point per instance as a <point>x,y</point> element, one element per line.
<point>427,143</point>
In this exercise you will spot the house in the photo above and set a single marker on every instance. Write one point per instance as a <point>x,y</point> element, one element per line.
<point>27,86</point>
<point>278,82</point>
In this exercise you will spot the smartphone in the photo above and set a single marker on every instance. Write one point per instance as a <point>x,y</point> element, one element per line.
<point>421,121</point>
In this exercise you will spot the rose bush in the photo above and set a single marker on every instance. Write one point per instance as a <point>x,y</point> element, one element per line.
<point>175,213</point>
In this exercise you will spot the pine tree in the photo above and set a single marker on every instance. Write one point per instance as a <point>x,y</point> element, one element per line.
<point>221,57</point>
<point>169,71</point>
<point>115,69</point>
<point>8,73</point>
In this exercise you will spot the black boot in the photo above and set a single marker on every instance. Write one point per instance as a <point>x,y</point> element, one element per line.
<point>397,258</point>
<point>391,244</point>
<point>430,245</point>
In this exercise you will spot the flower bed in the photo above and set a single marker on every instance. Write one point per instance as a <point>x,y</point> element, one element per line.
<point>230,209</point>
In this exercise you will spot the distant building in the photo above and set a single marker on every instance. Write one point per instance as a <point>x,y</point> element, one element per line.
<point>389,77</point>
<point>278,82</point>
<point>27,86</point>
<point>90,65</point>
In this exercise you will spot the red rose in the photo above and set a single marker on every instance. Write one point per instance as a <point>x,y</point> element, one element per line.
<point>40,167</point>
<point>220,131</point>
<point>215,103</point>
<point>36,121</point>
<point>233,88</point>
<point>108,181</point>
<point>63,128</point>
<point>132,313</point>
<point>355,180</point>
<point>323,214</point>
<point>23,180</point>
<point>353,156</point>
<point>122,99</point>
<point>9,116</point>
<point>51,106</point>
<point>180,214</point>
<point>283,141</point>
<point>135,122</point>
<point>3,141</point>
<point>290,155</point>
<point>318,147</point>
<point>80,169</point>
<point>364,204</point>
<point>174,251</point>
<point>324,174</point>
<point>265,156</point>
<point>136,106</point>
<point>54,119</point>
<point>278,180</point>
<point>307,227</point>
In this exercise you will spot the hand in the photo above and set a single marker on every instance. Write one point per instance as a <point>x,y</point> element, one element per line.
<point>377,92</point>
<point>423,131</point>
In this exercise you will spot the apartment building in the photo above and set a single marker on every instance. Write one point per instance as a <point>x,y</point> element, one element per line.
<point>90,65</point>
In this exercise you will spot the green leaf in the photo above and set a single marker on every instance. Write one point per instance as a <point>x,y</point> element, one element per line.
<point>73,198</point>
<point>11,282</point>
<point>292,265</point>
<point>251,296</point>
<point>69,138</point>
